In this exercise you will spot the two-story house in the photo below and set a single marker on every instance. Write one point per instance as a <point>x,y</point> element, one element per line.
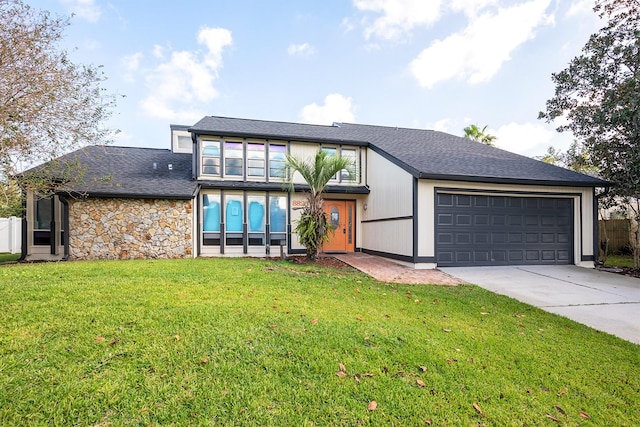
<point>421,197</point>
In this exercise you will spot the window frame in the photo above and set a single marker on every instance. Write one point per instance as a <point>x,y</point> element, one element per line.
<point>338,178</point>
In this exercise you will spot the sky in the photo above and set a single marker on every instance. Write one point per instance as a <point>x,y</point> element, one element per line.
<point>426,64</point>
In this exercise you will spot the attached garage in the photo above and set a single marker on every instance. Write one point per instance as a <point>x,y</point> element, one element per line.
<point>478,230</point>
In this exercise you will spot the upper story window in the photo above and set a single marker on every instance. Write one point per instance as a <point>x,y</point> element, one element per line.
<point>255,160</point>
<point>211,157</point>
<point>236,159</point>
<point>351,153</point>
<point>233,158</point>
<point>277,158</point>
<point>181,141</point>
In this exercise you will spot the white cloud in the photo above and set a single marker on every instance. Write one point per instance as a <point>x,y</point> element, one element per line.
<point>399,17</point>
<point>303,49</point>
<point>336,108</point>
<point>179,86</point>
<point>525,138</point>
<point>85,9</point>
<point>130,64</point>
<point>477,53</point>
<point>580,7</point>
<point>215,39</point>
<point>470,7</point>
<point>158,51</point>
<point>442,125</point>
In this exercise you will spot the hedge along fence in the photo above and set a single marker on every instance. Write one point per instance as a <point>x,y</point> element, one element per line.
<point>617,230</point>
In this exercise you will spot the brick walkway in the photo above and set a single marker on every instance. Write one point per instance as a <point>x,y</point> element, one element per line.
<point>388,271</point>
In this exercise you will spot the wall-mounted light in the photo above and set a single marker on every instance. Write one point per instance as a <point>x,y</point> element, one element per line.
<point>365,206</point>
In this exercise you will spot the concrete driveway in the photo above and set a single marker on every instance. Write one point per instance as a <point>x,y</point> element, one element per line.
<point>605,301</point>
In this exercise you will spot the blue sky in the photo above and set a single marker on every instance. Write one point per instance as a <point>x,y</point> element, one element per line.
<point>434,64</point>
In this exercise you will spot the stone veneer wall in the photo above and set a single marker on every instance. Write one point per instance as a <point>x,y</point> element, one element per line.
<point>130,228</point>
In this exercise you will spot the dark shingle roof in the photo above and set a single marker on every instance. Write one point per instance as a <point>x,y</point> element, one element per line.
<point>129,172</point>
<point>424,153</point>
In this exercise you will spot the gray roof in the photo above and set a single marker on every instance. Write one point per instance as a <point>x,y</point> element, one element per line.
<point>424,153</point>
<point>129,172</point>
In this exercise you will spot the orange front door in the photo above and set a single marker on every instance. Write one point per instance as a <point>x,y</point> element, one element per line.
<point>341,219</point>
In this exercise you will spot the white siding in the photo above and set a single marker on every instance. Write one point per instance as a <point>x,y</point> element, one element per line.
<point>583,210</point>
<point>387,225</point>
<point>302,151</point>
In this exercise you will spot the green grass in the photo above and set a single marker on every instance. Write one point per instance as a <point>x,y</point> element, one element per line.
<point>4,257</point>
<point>619,261</point>
<point>251,342</point>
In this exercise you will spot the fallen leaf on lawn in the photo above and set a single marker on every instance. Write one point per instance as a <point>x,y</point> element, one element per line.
<point>559,409</point>
<point>341,374</point>
<point>163,376</point>
<point>366,374</point>
<point>177,337</point>
<point>387,316</point>
<point>477,408</point>
<point>423,368</point>
<point>420,383</point>
<point>273,325</point>
<point>584,415</point>
<point>372,405</point>
<point>99,339</point>
<point>359,319</point>
<point>342,367</point>
<point>114,342</point>
<point>563,391</point>
<point>356,290</point>
<point>204,361</point>
<point>357,378</point>
<point>314,321</point>
<point>484,313</point>
<point>446,330</point>
<point>551,417</point>
<point>428,422</point>
<point>519,315</point>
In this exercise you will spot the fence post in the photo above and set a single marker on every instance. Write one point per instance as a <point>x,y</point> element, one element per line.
<point>11,235</point>
<point>15,240</point>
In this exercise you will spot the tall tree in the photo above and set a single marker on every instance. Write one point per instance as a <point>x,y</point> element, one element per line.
<point>576,158</point>
<point>312,226</point>
<point>599,94</point>
<point>48,104</point>
<point>474,133</point>
<point>10,199</point>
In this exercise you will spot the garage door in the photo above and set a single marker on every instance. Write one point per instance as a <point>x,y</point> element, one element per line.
<point>500,230</point>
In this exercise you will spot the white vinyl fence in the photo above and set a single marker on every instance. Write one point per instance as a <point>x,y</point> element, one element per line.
<point>11,234</point>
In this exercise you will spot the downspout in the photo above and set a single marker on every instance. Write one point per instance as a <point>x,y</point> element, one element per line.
<point>53,230</point>
<point>65,226</point>
<point>596,226</point>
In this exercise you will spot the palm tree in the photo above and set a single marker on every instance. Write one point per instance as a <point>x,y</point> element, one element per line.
<point>317,172</point>
<point>474,133</point>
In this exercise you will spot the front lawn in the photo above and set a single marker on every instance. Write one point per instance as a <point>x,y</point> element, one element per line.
<point>250,342</point>
<point>619,261</point>
<point>4,257</point>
